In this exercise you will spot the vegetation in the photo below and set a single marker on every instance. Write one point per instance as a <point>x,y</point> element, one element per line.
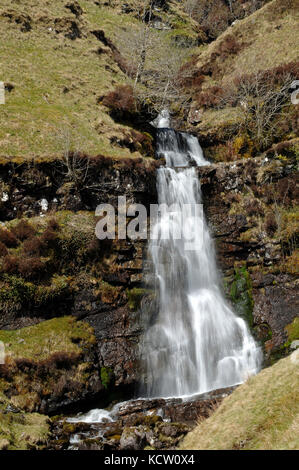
<point>65,61</point>
<point>84,83</point>
<point>50,361</point>
<point>233,99</point>
<point>241,294</point>
<point>22,431</point>
<point>260,414</point>
<point>135,296</point>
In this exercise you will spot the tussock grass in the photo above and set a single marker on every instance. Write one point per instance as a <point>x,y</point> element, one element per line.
<point>260,414</point>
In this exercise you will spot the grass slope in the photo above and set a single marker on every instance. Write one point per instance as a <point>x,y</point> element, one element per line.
<point>266,39</point>
<point>58,80</point>
<point>260,414</point>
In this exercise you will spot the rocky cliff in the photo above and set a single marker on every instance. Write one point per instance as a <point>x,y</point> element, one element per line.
<point>52,265</point>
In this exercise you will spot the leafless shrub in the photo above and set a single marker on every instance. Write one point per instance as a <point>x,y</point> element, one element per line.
<point>53,224</point>
<point>3,249</point>
<point>261,99</point>
<point>158,76</point>
<point>271,224</point>
<point>215,16</point>
<point>30,268</point>
<point>33,246</point>
<point>75,165</point>
<point>10,264</point>
<point>121,100</point>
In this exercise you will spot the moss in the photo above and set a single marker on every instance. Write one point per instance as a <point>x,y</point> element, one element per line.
<point>48,363</point>
<point>115,437</point>
<point>59,287</point>
<point>289,225</point>
<point>106,376</point>
<point>243,146</point>
<point>16,290</point>
<point>135,296</point>
<point>17,293</point>
<point>108,293</point>
<point>40,341</point>
<point>241,294</point>
<point>292,331</point>
<point>291,263</point>
<point>21,431</point>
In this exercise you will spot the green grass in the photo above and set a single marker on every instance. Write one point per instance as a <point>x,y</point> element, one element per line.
<point>23,431</point>
<point>264,45</point>
<point>260,414</point>
<point>42,64</point>
<point>40,341</point>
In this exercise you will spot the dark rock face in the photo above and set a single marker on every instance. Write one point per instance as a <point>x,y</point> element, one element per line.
<point>118,332</point>
<point>26,184</point>
<point>238,199</point>
<point>102,298</point>
<point>276,306</point>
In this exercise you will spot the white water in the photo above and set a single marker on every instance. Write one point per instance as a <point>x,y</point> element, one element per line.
<point>195,343</point>
<point>97,415</point>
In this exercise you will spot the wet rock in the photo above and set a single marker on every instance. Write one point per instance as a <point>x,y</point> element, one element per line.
<point>157,423</point>
<point>238,224</point>
<point>276,305</point>
<point>132,439</point>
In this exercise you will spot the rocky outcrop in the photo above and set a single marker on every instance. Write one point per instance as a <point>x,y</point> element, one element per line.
<point>251,206</point>
<point>138,424</point>
<point>57,266</point>
<point>50,367</point>
<point>53,264</point>
<point>33,187</point>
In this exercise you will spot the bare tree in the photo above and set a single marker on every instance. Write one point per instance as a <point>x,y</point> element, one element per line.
<point>164,77</point>
<point>155,62</point>
<point>260,100</point>
<point>75,166</point>
<point>137,43</point>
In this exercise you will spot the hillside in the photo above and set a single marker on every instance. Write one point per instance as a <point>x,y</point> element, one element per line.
<point>57,60</point>
<point>60,59</point>
<point>254,57</point>
<point>261,414</point>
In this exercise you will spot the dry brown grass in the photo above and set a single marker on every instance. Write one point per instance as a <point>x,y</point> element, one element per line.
<point>260,414</point>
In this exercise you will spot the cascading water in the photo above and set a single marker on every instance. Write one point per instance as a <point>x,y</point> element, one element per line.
<point>195,343</point>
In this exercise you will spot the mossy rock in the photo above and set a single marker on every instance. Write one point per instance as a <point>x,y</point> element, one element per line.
<point>107,376</point>
<point>135,296</point>
<point>241,294</point>
<point>292,331</point>
<point>22,431</point>
<point>40,341</point>
<point>49,365</point>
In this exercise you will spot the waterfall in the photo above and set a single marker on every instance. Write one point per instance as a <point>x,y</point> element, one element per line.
<point>193,342</point>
